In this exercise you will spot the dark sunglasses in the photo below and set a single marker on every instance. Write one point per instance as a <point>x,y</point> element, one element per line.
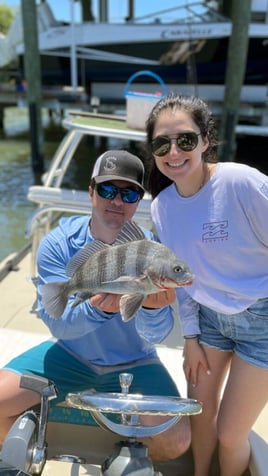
<point>109,191</point>
<point>186,141</point>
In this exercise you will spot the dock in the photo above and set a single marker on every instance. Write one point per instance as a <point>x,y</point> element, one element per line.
<point>55,99</point>
<point>253,100</point>
<point>253,115</point>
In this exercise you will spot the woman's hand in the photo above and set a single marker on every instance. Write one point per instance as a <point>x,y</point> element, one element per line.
<point>195,360</point>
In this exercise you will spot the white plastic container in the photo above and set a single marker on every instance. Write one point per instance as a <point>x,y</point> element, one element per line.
<point>139,104</point>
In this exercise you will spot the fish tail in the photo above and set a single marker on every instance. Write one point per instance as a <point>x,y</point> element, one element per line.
<point>54,298</point>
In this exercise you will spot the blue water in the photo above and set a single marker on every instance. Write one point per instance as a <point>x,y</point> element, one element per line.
<point>15,178</point>
<point>16,174</point>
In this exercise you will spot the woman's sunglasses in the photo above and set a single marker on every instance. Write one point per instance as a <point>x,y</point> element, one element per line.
<point>109,191</point>
<point>186,141</point>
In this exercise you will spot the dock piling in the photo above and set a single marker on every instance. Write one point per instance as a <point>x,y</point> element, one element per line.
<point>236,66</point>
<point>32,68</point>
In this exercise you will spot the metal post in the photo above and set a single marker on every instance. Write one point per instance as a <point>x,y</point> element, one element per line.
<point>86,6</point>
<point>2,119</point>
<point>131,11</point>
<point>103,11</point>
<point>236,65</point>
<point>32,70</point>
<point>73,50</point>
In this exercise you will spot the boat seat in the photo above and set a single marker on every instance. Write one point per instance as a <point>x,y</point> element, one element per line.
<point>58,196</point>
<point>62,198</point>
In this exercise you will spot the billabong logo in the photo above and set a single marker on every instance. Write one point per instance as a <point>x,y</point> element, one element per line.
<point>215,231</point>
<point>110,163</point>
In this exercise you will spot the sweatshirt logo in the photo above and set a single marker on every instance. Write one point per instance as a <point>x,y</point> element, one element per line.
<point>215,231</point>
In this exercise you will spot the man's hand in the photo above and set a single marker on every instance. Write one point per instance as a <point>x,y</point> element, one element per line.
<point>160,299</point>
<point>110,302</point>
<point>106,302</point>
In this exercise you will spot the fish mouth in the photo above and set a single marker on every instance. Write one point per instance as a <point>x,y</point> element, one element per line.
<point>173,283</point>
<point>184,283</point>
<point>187,283</point>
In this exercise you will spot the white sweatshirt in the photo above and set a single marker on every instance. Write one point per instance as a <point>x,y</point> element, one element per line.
<point>222,234</point>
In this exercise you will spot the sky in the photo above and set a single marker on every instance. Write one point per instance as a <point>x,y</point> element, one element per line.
<point>118,8</point>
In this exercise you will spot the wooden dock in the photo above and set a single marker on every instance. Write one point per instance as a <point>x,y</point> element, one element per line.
<point>253,110</point>
<point>52,98</point>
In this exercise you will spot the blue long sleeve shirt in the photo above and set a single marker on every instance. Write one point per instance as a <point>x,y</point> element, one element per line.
<point>90,334</point>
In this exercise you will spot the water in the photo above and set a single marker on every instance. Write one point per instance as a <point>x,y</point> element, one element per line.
<point>15,178</point>
<point>16,174</point>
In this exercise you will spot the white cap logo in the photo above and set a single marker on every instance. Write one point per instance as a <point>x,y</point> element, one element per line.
<point>110,163</point>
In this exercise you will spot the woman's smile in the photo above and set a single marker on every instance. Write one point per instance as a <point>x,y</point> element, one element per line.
<point>176,164</point>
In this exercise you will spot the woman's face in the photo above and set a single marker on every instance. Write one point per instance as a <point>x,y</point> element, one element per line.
<point>177,163</point>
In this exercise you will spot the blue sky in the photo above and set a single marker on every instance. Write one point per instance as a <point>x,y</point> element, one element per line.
<point>118,8</point>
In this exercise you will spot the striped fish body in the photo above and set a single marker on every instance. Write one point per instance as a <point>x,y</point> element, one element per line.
<point>133,269</point>
<point>123,269</point>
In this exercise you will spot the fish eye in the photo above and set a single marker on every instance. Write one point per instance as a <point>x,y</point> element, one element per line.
<point>177,269</point>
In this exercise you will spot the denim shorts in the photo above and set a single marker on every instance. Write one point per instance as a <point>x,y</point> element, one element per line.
<point>245,333</point>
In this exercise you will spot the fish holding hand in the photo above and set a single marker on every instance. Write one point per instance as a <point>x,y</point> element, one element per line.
<point>133,267</point>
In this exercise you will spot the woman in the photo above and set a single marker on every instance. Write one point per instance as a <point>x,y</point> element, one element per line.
<point>214,216</point>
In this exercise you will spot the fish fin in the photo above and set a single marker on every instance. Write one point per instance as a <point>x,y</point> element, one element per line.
<point>54,298</point>
<point>81,297</point>
<point>126,285</point>
<point>130,304</point>
<point>130,232</point>
<point>129,281</point>
<point>120,279</point>
<point>83,254</point>
<point>143,279</point>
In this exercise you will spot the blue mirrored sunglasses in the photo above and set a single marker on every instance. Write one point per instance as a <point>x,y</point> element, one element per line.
<point>109,191</point>
<point>186,141</point>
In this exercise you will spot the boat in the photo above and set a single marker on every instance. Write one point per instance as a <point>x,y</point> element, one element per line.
<point>187,44</point>
<point>170,42</point>
<point>35,445</point>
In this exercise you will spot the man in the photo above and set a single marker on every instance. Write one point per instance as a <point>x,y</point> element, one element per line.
<point>92,344</point>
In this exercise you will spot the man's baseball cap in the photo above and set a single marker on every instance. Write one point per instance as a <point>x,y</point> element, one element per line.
<point>119,165</point>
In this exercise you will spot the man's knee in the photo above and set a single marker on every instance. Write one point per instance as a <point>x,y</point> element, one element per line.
<point>14,400</point>
<point>172,443</point>
<point>181,440</point>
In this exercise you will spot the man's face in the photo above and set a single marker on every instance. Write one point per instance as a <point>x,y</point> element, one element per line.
<point>113,213</point>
